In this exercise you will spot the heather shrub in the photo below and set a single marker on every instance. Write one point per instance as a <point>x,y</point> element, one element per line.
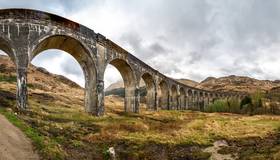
<point>218,106</point>
<point>234,105</point>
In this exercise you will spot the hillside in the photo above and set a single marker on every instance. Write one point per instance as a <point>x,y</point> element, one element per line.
<point>228,83</point>
<point>237,83</point>
<point>60,129</point>
<point>116,85</point>
<point>188,82</point>
<point>119,84</point>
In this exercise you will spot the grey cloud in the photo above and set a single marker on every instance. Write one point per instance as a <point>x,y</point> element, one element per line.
<point>194,57</point>
<point>250,24</point>
<point>166,67</point>
<point>157,48</point>
<point>70,69</point>
<point>55,6</point>
<point>134,40</point>
<point>171,35</point>
<point>240,67</point>
<point>71,66</point>
<point>196,76</point>
<point>209,29</point>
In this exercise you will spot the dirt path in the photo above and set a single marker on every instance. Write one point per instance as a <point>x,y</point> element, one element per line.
<point>14,145</point>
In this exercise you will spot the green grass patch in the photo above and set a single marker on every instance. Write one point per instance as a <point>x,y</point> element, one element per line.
<point>8,78</point>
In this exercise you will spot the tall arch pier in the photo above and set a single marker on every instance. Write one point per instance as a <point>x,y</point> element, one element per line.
<point>25,33</point>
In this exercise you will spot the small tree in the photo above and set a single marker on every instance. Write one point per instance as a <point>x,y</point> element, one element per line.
<point>218,106</point>
<point>234,105</point>
<point>257,99</point>
<point>245,101</point>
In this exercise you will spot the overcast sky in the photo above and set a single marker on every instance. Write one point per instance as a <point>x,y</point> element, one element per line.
<point>190,39</point>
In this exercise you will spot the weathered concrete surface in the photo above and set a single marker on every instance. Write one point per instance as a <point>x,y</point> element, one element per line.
<point>26,33</point>
<point>14,145</point>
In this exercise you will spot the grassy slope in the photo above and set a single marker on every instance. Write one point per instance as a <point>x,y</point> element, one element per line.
<point>60,129</point>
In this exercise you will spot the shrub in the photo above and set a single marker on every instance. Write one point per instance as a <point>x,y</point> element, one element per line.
<point>245,101</point>
<point>274,108</point>
<point>257,99</point>
<point>218,106</point>
<point>234,105</point>
<point>253,104</point>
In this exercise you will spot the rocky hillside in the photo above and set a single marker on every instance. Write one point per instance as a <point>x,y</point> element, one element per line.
<point>228,83</point>
<point>233,83</point>
<point>36,76</point>
<point>116,85</point>
<point>237,83</point>
<point>188,82</point>
<point>119,84</point>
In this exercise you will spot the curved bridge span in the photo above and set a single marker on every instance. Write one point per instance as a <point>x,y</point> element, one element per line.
<point>25,33</point>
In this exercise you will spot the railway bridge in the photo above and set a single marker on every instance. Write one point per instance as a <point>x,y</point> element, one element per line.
<point>26,33</point>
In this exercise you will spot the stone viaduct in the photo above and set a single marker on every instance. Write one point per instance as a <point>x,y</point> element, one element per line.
<point>25,33</point>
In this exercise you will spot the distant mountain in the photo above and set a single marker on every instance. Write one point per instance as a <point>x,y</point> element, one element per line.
<point>117,88</point>
<point>116,85</point>
<point>119,84</point>
<point>237,83</point>
<point>227,83</point>
<point>188,82</point>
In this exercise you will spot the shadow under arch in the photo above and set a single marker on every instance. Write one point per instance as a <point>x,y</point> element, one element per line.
<point>211,98</point>
<point>195,100</point>
<point>163,95</point>
<point>201,100</point>
<point>174,102</point>
<point>190,99</point>
<point>215,97</point>
<point>129,80</point>
<point>7,48</point>
<point>151,90</point>
<point>79,52</point>
<point>182,98</point>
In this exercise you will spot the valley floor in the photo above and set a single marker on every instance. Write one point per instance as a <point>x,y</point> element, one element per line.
<point>66,132</point>
<point>60,129</point>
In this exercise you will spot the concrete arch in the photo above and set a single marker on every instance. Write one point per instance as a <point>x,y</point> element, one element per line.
<point>182,98</point>
<point>151,91</point>
<point>129,79</point>
<point>174,97</point>
<point>76,49</point>
<point>163,95</point>
<point>64,42</point>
